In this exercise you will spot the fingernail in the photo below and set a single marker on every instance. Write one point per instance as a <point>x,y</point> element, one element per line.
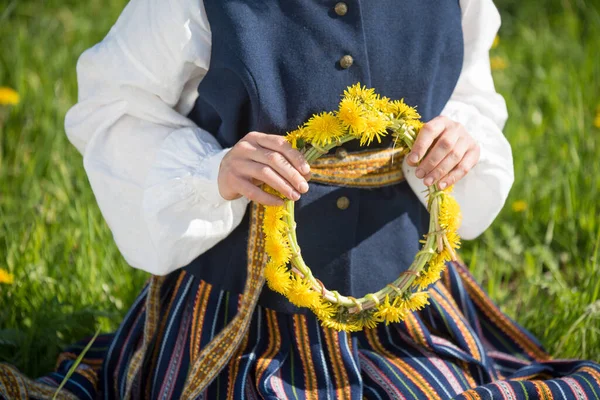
<point>428,181</point>
<point>413,158</point>
<point>419,173</point>
<point>443,185</point>
<point>295,196</point>
<point>305,169</point>
<point>303,187</point>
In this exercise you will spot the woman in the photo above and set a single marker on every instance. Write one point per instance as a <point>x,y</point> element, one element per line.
<point>181,111</point>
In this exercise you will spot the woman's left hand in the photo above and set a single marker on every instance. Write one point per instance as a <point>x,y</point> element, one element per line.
<point>450,152</point>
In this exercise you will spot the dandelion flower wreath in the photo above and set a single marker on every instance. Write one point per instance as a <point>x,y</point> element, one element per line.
<point>365,116</point>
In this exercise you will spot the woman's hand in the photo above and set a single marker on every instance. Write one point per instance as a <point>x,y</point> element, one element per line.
<point>261,158</point>
<point>451,152</point>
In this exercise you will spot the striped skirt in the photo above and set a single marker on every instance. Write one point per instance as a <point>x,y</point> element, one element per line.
<point>461,346</point>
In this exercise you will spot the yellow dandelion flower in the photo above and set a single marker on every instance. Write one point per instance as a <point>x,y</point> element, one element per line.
<point>295,136</point>
<point>301,294</point>
<point>403,110</point>
<point>496,42</point>
<point>278,249</point>
<point>384,105</point>
<point>351,114</point>
<point>360,93</point>
<point>324,309</point>
<point>597,119</point>
<point>363,320</point>
<point>340,324</point>
<point>278,278</point>
<point>450,215</point>
<point>323,129</point>
<point>415,302</point>
<point>519,206</point>
<point>9,96</point>
<point>498,63</point>
<point>376,127</point>
<point>273,220</point>
<point>389,312</point>
<point>6,277</point>
<point>435,268</point>
<point>416,124</point>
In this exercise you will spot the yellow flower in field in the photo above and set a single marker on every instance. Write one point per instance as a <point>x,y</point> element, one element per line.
<point>9,96</point>
<point>278,249</point>
<point>6,277</point>
<point>294,136</point>
<point>519,206</point>
<point>415,302</point>
<point>597,119</point>
<point>360,93</point>
<point>389,312</point>
<point>351,114</point>
<point>323,129</point>
<point>301,294</point>
<point>498,63</point>
<point>273,220</point>
<point>435,268</point>
<point>496,42</point>
<point>376,127</point>
<point>278,278</point>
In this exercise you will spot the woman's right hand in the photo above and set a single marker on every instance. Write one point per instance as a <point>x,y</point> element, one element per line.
<point>261,158</point>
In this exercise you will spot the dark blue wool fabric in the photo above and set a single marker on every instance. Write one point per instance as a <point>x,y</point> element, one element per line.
<point>276,62</point>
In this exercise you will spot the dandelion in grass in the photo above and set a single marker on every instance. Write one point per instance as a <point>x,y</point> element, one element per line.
<point>519,206</point>
<point>323,129</point>
<point>498,63</point>
<point>6,277</point>
<point>278,278</point>
<point>9,96</point>
<point>597,119</point>
<point>496,42</point>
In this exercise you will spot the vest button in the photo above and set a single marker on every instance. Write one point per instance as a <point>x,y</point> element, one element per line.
<point>343,203</point>
<point>341,8</point>
<point>346,61</point>
<point>341,153</point>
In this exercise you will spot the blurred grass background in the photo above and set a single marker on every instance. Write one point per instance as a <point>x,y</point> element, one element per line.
<point>539,260</point>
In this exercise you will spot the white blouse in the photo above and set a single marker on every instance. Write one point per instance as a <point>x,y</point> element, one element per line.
<point>154,172</point>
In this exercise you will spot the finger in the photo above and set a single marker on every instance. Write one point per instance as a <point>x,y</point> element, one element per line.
<point>266,174</point>
<point>282,166</point>
<point>466,164</point>
<point>256,194</point>
<point>427,135</point>
<point>451,160</point>
<point>279,144</point>
<point>442,147</point>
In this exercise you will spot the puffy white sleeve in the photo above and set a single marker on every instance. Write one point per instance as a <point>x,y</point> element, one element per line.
<point>152,170</point>
<point>476,105</point>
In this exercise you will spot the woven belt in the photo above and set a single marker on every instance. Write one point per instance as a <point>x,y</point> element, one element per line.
<point>373,168</point>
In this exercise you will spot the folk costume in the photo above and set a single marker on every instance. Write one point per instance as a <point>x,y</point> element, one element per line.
<point>172,88</point>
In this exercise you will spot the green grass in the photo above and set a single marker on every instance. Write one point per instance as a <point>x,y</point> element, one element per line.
<point>540,265</point>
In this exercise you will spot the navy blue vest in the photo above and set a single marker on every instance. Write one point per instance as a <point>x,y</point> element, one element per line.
<point>276,62</point>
